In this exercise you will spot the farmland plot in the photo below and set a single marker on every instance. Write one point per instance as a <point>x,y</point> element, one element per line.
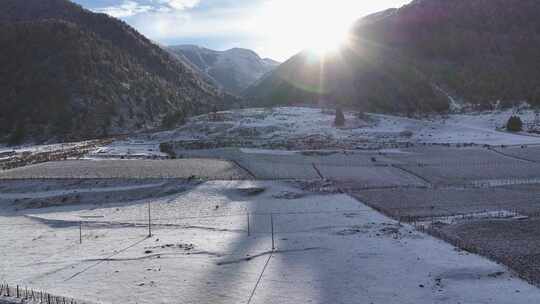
<point>333,158</point>
<point>80,193</point>
<point>448,156</point>
<point>267,170</point>
<point>185,168</point>
<point>512,242</point>
<point>426,203</point>
<point>341,165</point>
<point>14,186</point>
<point>369,177</point>
<point>327,157</point>
<point>468,174</point>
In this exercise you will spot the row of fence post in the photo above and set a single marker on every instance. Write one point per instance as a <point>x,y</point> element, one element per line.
<point>248,220</point>
<point>32,296</point>
<point>248,215</point>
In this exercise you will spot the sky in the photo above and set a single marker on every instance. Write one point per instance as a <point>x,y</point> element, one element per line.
<point>276,29</point>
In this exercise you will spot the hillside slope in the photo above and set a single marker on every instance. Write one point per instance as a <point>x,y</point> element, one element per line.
<point>411,59</point>
<point>69,73</point>
<point>233,70</point>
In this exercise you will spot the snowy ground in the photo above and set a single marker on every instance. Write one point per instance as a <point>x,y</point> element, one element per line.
<point>296,128</point>
<point>129,148</point>
<point>479,128</point>
<point>269,124</point>
<point>329,249</point>
<point>41,148</point>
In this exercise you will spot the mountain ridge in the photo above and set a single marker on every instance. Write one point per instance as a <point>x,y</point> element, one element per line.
<point>233,70</point>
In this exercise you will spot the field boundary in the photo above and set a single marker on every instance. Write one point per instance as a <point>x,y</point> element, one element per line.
<point>427,181</point>
<point>318,171</point>
<point>513,156</point>
<point>237,163</point>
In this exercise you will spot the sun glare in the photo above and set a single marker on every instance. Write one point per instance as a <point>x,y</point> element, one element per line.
<point>319,26</point>
<point>326,42</point>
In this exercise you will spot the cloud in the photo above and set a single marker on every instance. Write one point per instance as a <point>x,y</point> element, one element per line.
<point>275,28</point>
<point>129,8</point>
<point>179,4</point>
<point>125,9</point>
<point>211,22</point>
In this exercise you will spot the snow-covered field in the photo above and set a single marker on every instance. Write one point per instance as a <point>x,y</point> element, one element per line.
<point>329,249</point>
<point>291,122</point>
<point>297,128</point>
<point>479,128</point>
<point>444,202</point>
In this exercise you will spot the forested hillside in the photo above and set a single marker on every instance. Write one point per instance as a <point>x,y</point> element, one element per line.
<point>69,73</point>
<point>415,58</point>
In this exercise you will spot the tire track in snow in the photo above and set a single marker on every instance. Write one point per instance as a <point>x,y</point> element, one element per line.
<point>103,260</point>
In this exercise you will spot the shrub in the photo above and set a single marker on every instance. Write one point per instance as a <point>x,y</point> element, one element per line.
<point>407,134</point>
<point>17,135</point>
<point>172,120</point>
<point>361,115</point>
<point>514,124</point>
<point>340,118</point>
<point>168,149</point>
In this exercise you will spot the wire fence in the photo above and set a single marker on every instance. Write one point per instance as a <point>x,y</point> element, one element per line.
<point>32,296</point>
<point>263,224</point>
<point>268,224</point>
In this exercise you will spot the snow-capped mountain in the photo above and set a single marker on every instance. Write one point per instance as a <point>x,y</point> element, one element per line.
<point>233,70</point>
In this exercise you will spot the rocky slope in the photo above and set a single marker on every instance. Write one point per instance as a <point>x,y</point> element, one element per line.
<point>68,73</point>
<point>420,57</point>
<point>233,70</point>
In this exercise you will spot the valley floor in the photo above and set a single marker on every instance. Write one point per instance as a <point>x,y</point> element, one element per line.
<point>353,212</point>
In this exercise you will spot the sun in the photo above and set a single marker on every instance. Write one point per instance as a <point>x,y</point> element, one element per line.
<point>319,26</point>
<point>326,29</point>
<point>327,41</point>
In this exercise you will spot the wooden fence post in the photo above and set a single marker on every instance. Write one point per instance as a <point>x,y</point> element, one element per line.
<point>149,221</point>
<point>248,225</point>
<point>80,232</point>
<point>272,227</point>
